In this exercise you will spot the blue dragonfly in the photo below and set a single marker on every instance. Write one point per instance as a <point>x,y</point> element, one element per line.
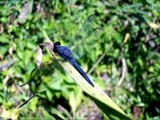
<point>82,42</point>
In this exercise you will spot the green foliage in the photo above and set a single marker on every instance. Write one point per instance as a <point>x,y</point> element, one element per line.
<point>129,71</point>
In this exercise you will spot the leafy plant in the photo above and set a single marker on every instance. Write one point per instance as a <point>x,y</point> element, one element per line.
<point>128,71</point>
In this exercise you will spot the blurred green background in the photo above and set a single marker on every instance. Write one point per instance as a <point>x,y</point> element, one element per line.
<point>129,71</point>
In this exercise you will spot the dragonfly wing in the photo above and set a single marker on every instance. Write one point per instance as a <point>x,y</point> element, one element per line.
<point>87,44</point>
<point>85,38</point>
<point>44,76</point>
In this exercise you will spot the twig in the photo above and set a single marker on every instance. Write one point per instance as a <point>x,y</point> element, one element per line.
<point>99,60</point>
<point>5,66</point>
<point>124,69</point>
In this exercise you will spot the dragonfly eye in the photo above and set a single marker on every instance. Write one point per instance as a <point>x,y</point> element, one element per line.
<point>56,44</point>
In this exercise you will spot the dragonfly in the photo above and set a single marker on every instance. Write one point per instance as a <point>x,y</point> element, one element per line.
<point>81,42</point>
<point>65,53</point>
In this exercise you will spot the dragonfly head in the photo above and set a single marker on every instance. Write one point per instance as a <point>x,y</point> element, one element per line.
<point>56,45</point>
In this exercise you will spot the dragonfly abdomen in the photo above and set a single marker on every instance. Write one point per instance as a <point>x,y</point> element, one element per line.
<point>80,70</point>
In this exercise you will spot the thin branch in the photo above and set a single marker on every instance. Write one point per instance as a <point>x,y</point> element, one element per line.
<point>5,66</point>
<point>99,60</point>
<point>124,69</point>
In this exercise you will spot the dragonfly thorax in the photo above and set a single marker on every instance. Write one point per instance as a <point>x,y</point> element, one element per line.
<point>62,51</point>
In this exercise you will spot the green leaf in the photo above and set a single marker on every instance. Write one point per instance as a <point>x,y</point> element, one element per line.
<point>96,94</point>
<point>75,99</point>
